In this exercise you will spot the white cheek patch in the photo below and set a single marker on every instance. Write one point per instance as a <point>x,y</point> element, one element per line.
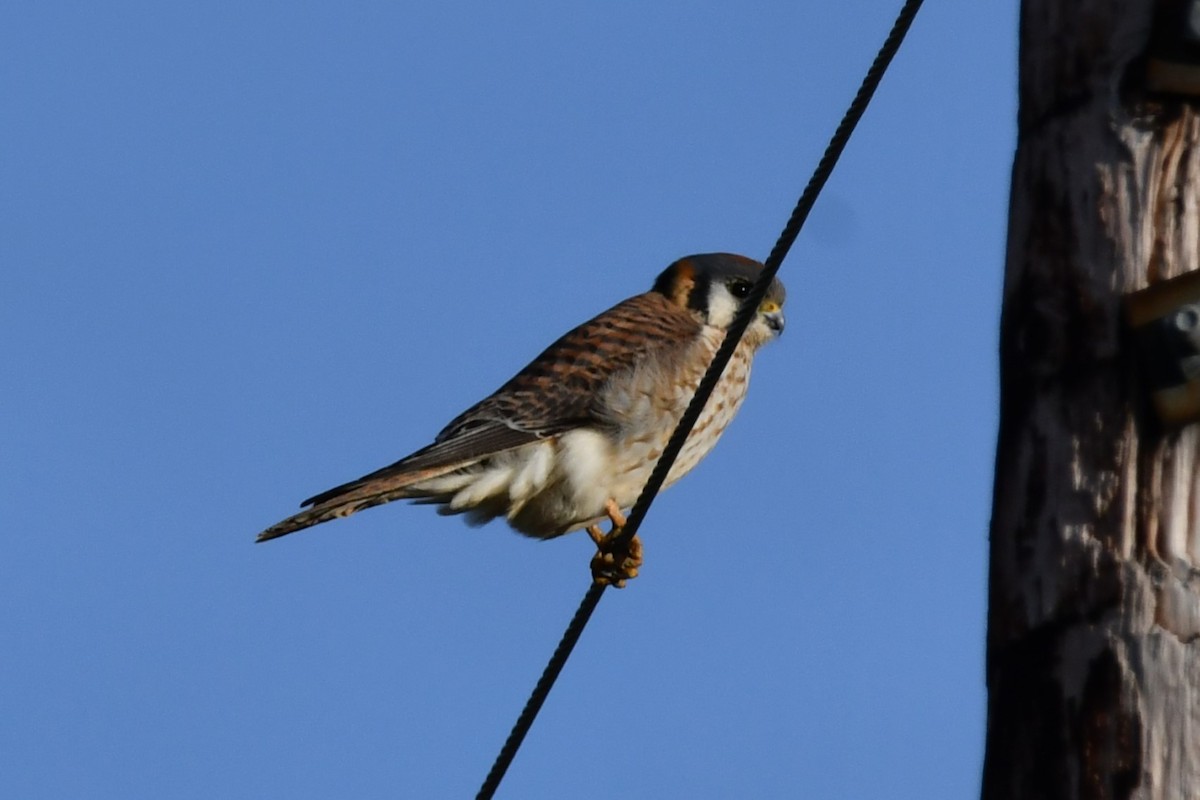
<point>722,306</point>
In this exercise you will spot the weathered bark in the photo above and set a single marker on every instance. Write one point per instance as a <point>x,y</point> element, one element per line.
<point>1093,663</point>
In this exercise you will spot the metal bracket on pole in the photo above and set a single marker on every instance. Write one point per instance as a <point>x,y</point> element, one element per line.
<point>1165,320</point>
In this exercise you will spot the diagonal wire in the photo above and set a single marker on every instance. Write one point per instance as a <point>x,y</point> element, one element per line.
<point>749,307</point>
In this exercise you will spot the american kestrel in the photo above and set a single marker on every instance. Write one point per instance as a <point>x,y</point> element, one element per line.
<point>571,439</point>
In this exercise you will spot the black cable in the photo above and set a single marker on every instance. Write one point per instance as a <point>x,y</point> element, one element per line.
<point>749,307</point>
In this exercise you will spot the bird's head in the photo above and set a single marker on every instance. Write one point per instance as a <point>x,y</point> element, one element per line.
<point>712,286</point>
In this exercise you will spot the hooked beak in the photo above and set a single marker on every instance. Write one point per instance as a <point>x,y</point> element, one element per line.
<point>773,315</point>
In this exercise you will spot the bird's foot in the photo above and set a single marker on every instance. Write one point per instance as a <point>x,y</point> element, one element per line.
<point>614,563</point>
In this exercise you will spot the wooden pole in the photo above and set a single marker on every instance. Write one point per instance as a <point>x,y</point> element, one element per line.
<point>1093,662</point>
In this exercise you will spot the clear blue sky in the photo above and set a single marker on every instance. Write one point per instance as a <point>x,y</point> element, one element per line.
<point>252,250</point>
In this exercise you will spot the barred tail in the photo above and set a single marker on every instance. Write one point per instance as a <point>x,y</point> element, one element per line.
<point>342,501</point>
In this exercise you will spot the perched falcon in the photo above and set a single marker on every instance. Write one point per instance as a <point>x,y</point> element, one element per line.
<point>571,439</point>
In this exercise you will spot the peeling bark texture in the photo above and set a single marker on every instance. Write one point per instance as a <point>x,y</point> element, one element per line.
<point>1093,664</point>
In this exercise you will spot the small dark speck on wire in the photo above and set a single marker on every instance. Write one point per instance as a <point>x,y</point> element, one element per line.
<point>791,230</point>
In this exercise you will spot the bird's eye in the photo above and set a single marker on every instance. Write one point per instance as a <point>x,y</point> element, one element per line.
<point>740,288</point>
